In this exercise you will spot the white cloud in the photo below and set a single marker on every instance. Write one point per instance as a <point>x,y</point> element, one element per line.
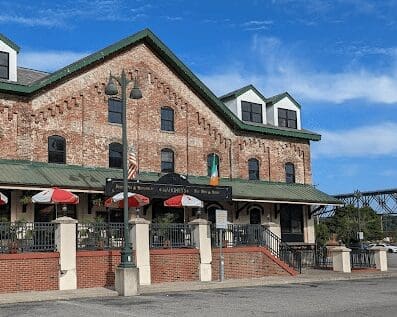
<point>280,70</point>
<point>29,21</point>
<point>49,60</point>
<point>63,13</point>
<point>368,141</point>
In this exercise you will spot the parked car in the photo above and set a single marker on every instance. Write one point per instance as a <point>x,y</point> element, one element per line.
<point>390,248</point>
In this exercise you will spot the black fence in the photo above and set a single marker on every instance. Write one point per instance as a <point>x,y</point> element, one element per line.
<point>171,235</point>
<point>323,258</point>
<point>237,235</point>
<point>99,236</point>
<point>18,237</point>
<point>256,235</point>
<point>362,259</point>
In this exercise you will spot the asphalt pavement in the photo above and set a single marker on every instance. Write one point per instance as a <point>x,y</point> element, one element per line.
<point>364,297</point>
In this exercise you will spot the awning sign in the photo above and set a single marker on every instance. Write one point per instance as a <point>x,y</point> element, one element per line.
<point>158,190</point>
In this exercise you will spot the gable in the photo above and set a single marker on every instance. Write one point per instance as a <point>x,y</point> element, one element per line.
<point>147,37</point>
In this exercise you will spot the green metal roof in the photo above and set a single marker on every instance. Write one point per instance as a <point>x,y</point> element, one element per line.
<point>149,38</point>
<point>273,99</point>
<point>9,42</point>
<point>37,174</point>
<point>277,98</point>
<point>240,91</point>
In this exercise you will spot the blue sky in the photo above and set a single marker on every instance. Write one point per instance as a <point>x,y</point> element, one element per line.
<point>337,58</point>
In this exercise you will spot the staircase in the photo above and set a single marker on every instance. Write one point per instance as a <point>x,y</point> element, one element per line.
<point>256,235</point>
<point>281,250</point>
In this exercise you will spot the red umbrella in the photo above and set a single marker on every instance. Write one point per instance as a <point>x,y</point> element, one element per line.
<point>134,200</point>
<point>55,196</point>
<point>183,201</point>
<point>3,199</point>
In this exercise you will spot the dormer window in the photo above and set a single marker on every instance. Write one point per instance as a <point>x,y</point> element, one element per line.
<point>4,65</point>
<point>287,118</point>
<point>251,111</point>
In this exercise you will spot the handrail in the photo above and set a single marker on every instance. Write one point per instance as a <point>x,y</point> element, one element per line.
<point>258,235</point>
<point>282,250</point>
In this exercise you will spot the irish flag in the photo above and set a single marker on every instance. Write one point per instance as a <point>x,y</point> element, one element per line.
<point>214,179</point>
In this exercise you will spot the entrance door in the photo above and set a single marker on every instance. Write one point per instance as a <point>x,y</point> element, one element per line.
<point>291,221</point>
<point>255,216</point>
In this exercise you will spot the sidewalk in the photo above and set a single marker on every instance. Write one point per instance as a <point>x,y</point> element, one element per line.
<point>307,276</point>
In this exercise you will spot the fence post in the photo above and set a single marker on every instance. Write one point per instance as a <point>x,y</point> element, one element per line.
<point>341,259</point>
<point>380,258</point>
<point>65,241</point>
<point>139,233</point>
<point>202,239</point>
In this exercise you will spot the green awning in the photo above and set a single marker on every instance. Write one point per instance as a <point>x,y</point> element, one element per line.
<point>26,174</point>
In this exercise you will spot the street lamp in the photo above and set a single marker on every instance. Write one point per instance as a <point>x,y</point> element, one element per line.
<point>111,90</point>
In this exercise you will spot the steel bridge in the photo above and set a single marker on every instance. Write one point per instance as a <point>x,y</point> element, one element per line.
<point>383,202</point>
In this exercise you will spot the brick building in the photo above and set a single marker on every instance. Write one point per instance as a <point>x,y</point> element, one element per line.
<point>61,129</point>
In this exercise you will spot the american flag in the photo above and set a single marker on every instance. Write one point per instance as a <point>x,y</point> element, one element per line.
<point>132,163</point>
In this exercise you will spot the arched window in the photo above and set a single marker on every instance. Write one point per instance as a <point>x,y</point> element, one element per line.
<point>210,159</point>
<point>253,169</point>
<point>167,161</point>
<point>289,173</point>
<point>167,119</point>
<point>115,155</point>
<point>255,216</point>
<point>56,149</point>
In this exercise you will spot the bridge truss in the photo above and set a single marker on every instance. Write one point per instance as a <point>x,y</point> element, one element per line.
<point>383,202</point>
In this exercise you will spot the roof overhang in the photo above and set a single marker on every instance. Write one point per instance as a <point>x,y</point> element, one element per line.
<point>287,202</point>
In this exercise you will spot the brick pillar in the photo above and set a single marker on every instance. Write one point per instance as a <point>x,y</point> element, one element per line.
<point>139,235</point>
<point>65,241</point>
<point>380,258</point>
<point>202,239</point>
<point>341,259</point>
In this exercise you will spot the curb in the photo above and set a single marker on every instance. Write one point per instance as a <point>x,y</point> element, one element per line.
<point>164,288</point>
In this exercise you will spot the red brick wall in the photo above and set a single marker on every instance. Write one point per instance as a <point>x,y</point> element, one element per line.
<point>174,265</point>
<point>96,268</point>
<point>246,262</point>
<point>77,110</point>
<point>29,272</point>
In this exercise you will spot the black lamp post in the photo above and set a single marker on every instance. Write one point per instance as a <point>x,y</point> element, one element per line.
<point>111,90</point>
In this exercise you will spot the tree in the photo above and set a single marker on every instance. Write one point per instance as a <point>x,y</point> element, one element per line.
<point>349,220</point>
<point>322,233</point>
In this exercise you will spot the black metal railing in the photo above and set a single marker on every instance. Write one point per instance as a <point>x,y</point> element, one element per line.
<point>171,235</point>
<point>323,258</point>
<point>99,236</point>
<point>27,237</point>
<point>362,259</point>
<point>282,250</point>
<point>256,235</point>
<point>237,235</point>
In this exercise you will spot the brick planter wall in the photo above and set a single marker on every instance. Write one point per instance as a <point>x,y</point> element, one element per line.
<point>248,262</point>
<point>172,265</point>
<point>29,272</point>
<point>96,268</point>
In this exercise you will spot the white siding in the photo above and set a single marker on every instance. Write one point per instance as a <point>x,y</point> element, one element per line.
<point>251,96</point>
<point>232,105</point>
<point>12,60</point>
<point>286,103</point>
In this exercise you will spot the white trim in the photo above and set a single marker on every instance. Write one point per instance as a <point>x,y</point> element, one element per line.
<point>45,188</point>
<point>286,202</point>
